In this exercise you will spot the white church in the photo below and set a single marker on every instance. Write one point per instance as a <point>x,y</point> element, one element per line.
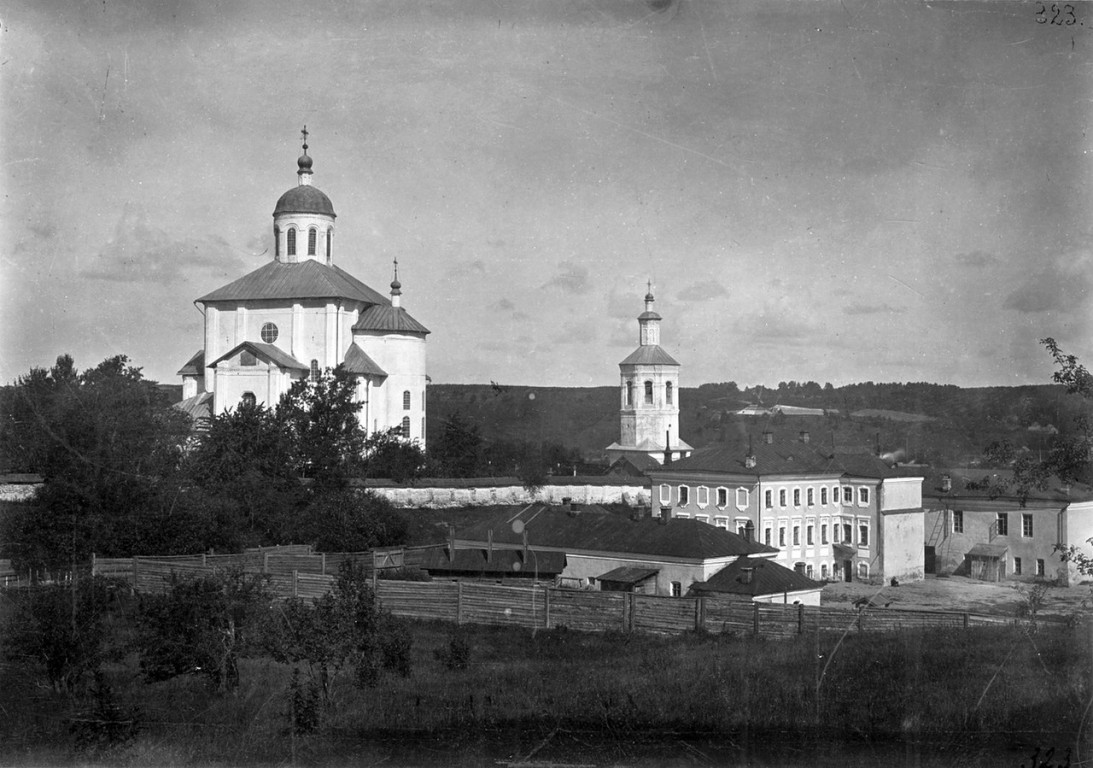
<point>301,314</point>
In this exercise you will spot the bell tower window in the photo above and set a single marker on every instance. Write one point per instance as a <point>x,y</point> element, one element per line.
<point>329,243</point>
<point>276,241</point>
<point>648,393</point>
<point>311,235</point>
<point>629,393</point>
<point>668,393</point>
<point>291,244</point>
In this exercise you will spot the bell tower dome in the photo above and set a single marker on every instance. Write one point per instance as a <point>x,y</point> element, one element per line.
<point>303,219</point>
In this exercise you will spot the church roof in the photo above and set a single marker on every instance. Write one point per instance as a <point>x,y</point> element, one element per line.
<point>357,361</point>
<point>384,317</point>
<point>304,199</point>
<point>649,354</point>
<point>302,280</point>
<point>195,366</point>
<point>268,351</point>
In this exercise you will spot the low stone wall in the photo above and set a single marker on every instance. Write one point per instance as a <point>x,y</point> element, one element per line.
<point>18,491</point>
<point>439,497</point>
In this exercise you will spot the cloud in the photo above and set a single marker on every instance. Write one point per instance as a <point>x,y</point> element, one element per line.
<point>779,320</point>
<point>975,259</point>
<point>702,291</point>
<point>1061,284</point>
<point>139,253</point>
<point>579,332</point>
<point>873,309</point>
<point>570,277</point>
<point>503,305</point>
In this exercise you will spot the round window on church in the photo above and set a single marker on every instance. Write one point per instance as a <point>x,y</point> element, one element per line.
<point>269,333</point>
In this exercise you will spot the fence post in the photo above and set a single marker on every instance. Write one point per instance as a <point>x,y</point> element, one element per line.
<point>700,614</point>
<point>323,567</point>
<point>295,583</point>
<point>800,618</point>
<point>204,560</point>
<point>459,602</point>
<point>965,621</point>
<point>265,562</point>
<point>92,563</point>
<point>755,619</point>
<point>546,608</point>
<point>860,612</point>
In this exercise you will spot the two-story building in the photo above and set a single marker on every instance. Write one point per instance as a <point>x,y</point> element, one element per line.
<point>831,516</point>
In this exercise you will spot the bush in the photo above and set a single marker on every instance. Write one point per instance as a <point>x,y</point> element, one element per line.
<point>457,654</point>
<point>104,725</point>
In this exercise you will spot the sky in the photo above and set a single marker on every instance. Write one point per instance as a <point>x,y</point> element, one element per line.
<point>827,191</point>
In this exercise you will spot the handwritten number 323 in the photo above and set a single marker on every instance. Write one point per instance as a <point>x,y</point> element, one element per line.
<point>1061,16</point>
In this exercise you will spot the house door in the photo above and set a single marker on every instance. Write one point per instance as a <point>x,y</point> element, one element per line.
<point>930,560</point>
<point>848,570</point>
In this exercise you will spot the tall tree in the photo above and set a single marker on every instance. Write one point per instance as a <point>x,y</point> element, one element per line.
<point>457,450</point>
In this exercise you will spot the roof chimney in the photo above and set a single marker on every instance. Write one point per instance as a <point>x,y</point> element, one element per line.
<point>746,574</point>
<point>946,483</point>
<point>768,437</point>
<point>749,461</point>
<point>804,436</point>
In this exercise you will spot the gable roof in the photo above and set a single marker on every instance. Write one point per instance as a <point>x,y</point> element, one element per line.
<point>384,317</point>
<point>628,574</point>
<point>195,366</point>
<point>476,561</point>
<point>199,408</point>
<point>266,351</point>
<point>357,361</point>
<point>595,529</point>
<point>767,578</point>
<point>649,354</point>
<point>302,280</point>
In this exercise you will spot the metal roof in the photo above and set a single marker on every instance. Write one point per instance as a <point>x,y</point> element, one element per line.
<point>789,457</point>
<point>649,354</point>
<point>967,485</point>
<point>199,407</point>
<point>991,551</point>
<point>766,577</point>
<point>384,317</point>
<point>628,574</point>
<point>591,528</point>
<point>304,198</point>
<point>301,280</point>
<point>195,366</point>
<point>266,351</point>
<point>357,361</point>
<point>500,561</point>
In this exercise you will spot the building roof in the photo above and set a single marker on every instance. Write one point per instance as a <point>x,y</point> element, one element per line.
<point>595,529</point>
<point>789,457</point>
<point>357,361</point>
<point>307,279</point>
<point>195,366</point>
<point>970,484</point>
<point>266,351</point>
<point>766,578</point>
<point>384,317</point>
<point>478,561</point>
<point>631,464</point>
<point>199,407</point>
<point>988,550</point>
<point>304,198</point>
<point>628,574</point>
<point>649,354</point>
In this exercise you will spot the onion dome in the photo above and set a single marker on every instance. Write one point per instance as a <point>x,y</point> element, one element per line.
<point>304,198</point>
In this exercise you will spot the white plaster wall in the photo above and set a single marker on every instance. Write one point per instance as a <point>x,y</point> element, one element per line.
<point>809,597</point>
<point>587,566</point>
<point>901,493</point>
<point>18,491</point>
<point>302,222</point>
<point>640,421</point>
<point>901,546</point>
<point>440,497</point>
<point>1076,528</point>
<point>403,357</point>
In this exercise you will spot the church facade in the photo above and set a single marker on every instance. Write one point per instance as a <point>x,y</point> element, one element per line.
<point>649,400</point>
<point>300,315</point>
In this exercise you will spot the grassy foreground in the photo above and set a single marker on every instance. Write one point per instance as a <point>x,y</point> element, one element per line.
<point>950,687</point>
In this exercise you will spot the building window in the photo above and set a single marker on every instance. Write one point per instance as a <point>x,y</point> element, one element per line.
<point>796,535</point>
<point>848,495</point>
<point>406,426</point>
<point>703,519</point>
<point>781,497</point>
<point>863,570</point>
<point>742,498</point>
<point>291,249</point>
<point>1003,524</point>
<point>311,237</point>
<point>848,532</point>
<point>677,589</point>
<point>648,393</point>
<point>329,238</point>
<point>823,533</point>
<point>703,496</point>
<point>684,495</point>
<point>423,427</point>
<point>823,496</point>
<point>782,536</point>
<point>665,494</point>
<point>863,496</point>
<point>863,535</point>
<point>766,536</point>
<point>1016,566</point>
<point>810,496</point>
<point>958,521</point>
<point>768,499</point>
<point>276,241</point>
<point>269,333</point>
<point>808,535</point>
<point>721,522</point>
<point>246,357</point>
<point>406,400</point>
<point>1026,525</point>
<point>668,393</point>
<point>1039,567</point>
<point>248,400</point>
<point>314,370</point>
<point>823,571</point>
<point>629,393</point>
<point>722,497</point>
<point>809,571</point>
<point>796,497</point>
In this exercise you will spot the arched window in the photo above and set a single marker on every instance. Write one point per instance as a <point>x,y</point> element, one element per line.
<point>311,234</point>
<point>629,393</point>
<point>291,244</point>
<point>823,571</point>
<point>668,393</point>
<point>329,237</point>
<point>406,400</point>
<point>276,241</point>
<point>314,370</point>
<point>648,393</point>
<point>248,400</point>
<point>406,426</point>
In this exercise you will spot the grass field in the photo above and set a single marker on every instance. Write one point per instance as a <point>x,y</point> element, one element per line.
<point>522,696</point>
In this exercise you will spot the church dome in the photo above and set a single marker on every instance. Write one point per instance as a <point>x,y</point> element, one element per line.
<point>304,199</point>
